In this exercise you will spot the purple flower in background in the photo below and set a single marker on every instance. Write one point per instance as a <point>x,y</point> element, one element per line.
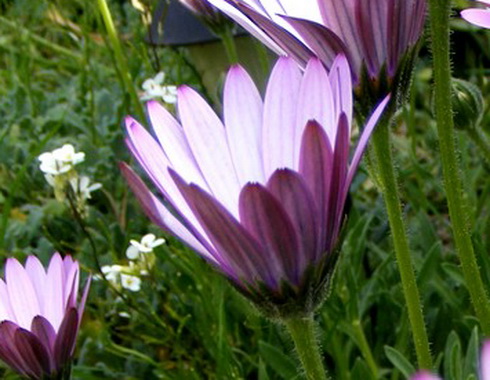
<point>261,195</point>
<point>484,366</point>
<point>478,17</point>
<point>374,35</point>
<point>40,316</point>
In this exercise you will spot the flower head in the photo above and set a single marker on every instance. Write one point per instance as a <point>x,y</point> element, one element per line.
<point>477,16</point>
<point>40,315</point>
<point>261,197</point>
<point>376,36</point>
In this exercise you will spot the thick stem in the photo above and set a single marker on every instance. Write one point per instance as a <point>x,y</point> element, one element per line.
<point>302,330</point>
<point>389,187</point>
<point>119,57</point>
<point>439,21</point>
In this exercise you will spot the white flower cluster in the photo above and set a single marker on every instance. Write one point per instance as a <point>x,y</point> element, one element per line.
<point>58,167</point>
<point>141,255</point>
<point>154,89</point>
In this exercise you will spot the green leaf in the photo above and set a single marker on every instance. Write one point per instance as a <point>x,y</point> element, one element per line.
<point>277,360</point>
<point>400,362</point>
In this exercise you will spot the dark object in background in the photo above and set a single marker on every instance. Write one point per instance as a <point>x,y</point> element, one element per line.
<point>173,24</point>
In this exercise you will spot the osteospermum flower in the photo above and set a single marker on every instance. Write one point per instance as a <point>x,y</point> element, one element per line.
<point>484,366</point>
<point>478,16</point>
<point>260,196</point>
<point>377,37</point>
<point>40,316</point>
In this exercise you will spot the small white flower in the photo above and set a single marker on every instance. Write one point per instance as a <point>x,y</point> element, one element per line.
<point>68,155</point>
<point>51,166</point>
<point>112,272</point>
<point>148,242</point>
<point>154,88</point>
<point>131,283</point>
<point>82,188</point>
<point>60,160</point>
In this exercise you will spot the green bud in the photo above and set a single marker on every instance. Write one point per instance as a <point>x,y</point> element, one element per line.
<point>467,103</point>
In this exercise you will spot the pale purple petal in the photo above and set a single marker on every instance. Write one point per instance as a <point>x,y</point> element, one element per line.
<point>159,215</point>
<point>6,311</point>
<point>174,143</point>
<point>341,87</point>
<point>478,17</point>
<point>203,130</point>
<point>243,110</point>
<point>37,274</point>
<point>22,295</point>
<point>315,103</point>
<point>485,361</point>
<point>53,307</point>
<point>280,112</point>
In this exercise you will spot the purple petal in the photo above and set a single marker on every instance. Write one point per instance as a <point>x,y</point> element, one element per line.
<point>34,352</point>
<point>243,110</point>
<point>316,163</point>
<point>72,280</point>
<point>8,350</point>
<point>236,15</point>
<point>295,198</point>
<point>22,295</point>
<point>174,143</point>
<point>280,110</point>
<point>399,33</point>
<point>240,256</point>
<point>322,41</point>
<point>339,17</point>
<point>204,130</point>
<point>287,42</point>
<point>315,103</point>
<point>66,338</point>
<point>361,146</point>
<point>45,332</point>
<point>339,174</point>
<point>371,19</point>
<point>478,17</point>
<point>265,218</point>
<point>159,215</point>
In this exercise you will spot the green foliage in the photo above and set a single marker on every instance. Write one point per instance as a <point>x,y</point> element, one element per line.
<point>59,84</point>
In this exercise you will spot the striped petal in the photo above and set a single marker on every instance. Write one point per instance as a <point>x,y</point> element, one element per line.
<point>243,110</point>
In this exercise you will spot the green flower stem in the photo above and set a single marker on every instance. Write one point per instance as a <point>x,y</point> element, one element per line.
<point>389,188</point>
<point>481,141</point>
<point>439,11</point>
<point>229,43</point>
<point>302,330</point>
<point>364,347</point>
<point>121,63</point>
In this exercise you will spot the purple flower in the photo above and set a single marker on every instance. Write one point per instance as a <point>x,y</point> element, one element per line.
<point>40,316</point>
<point>260,196</point>
<point>374,35</point>
<point>478,17</point>
<point>484,366</point>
